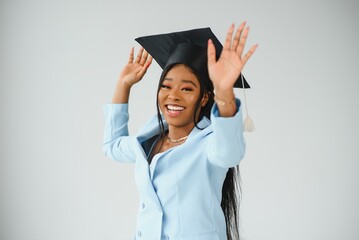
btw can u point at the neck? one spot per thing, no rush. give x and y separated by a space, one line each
179 134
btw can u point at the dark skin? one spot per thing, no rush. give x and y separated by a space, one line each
180 90
222 72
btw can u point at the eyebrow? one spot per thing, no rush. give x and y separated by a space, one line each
182 80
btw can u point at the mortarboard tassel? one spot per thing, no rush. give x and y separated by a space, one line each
248 122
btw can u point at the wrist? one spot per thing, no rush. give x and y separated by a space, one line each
123 84
225 102
224 97
223 86
122 92
226 108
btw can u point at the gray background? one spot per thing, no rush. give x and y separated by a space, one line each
59 64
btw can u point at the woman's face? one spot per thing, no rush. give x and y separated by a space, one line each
178 96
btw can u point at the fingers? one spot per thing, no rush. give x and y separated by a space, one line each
139 55
242 42
233 45
144 58
148 62
237 37
249 54
211 52
141 58
146 66
130 59
239 41
227 43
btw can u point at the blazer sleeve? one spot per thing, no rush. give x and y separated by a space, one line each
116 143
226 145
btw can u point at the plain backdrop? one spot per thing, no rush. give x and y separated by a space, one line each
59 64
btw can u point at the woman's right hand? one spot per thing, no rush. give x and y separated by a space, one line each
135 68
131 74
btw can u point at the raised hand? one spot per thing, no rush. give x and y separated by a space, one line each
224 72
135 69
130 75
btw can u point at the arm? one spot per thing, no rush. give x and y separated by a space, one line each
116 143
226 145
224 72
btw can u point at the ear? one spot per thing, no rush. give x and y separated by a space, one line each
204 99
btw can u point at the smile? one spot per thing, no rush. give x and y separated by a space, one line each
173 111
174 108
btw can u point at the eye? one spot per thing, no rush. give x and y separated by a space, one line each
187 89
165 86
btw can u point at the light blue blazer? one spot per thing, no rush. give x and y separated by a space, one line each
181 190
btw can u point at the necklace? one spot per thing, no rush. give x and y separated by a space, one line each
176 140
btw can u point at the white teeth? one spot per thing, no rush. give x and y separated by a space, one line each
174 108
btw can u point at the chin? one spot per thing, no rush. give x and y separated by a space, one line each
178 123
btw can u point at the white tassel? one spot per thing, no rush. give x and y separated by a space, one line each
248 125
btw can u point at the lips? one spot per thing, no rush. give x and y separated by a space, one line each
174 110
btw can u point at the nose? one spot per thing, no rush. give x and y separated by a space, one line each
173 95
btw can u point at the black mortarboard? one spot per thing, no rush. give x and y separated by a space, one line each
186 47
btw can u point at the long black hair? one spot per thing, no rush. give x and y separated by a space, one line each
231 190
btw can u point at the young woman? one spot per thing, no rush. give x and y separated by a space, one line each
185 157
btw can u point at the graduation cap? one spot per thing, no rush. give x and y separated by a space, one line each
189 48
185 47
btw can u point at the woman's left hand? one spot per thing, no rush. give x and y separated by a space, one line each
225 72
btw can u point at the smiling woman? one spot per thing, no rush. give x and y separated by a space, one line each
177 98
187 157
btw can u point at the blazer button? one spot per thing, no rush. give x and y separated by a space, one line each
165 237
143 205
139 234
